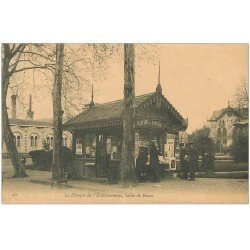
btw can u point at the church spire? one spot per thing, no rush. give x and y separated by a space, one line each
158 88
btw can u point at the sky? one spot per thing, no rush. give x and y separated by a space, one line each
196 78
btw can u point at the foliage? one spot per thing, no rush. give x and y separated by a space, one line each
240 144
46 146
205 146
41 159
202 140
241 98
66 155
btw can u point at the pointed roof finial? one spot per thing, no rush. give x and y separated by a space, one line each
158 88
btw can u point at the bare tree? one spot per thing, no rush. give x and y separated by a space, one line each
128 146
40 58
14 61
84 64
241 97
8 55
57 111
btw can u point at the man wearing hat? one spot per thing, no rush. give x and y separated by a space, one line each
193 160
154 162
183 161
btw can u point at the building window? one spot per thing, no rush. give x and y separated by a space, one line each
50 140
17 139
90 142
64 140
78 141
33 140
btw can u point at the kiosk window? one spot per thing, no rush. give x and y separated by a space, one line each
90 145
78 146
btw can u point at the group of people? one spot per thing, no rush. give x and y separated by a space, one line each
189 158
149 171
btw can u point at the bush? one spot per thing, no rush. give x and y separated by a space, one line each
240 144
41 159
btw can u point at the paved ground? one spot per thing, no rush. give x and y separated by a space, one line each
167 191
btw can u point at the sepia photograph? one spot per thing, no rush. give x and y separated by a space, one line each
124 125
132 123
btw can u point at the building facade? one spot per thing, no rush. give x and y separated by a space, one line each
222 124
31 134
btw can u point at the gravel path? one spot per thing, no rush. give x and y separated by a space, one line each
174 191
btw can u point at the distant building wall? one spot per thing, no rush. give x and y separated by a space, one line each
31 138
221 129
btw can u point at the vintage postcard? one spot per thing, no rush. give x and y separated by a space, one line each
125 123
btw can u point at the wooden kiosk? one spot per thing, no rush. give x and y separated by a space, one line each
97 132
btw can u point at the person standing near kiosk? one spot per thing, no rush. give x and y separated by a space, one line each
154 162
183 161
193 160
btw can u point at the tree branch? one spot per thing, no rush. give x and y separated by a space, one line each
37 54
33 67
19 48
17 61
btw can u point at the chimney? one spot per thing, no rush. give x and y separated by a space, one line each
13 106
92 98
30 113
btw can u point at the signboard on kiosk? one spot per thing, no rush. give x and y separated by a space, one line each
170 146
169 151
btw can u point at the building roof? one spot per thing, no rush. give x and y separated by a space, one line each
44 122
112 111
242 113
218 113
106 111
30 123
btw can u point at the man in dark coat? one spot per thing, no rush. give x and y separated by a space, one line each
193 161
141 161
183 161
154 162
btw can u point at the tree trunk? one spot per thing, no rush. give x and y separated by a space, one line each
128 145
57 112
19 169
